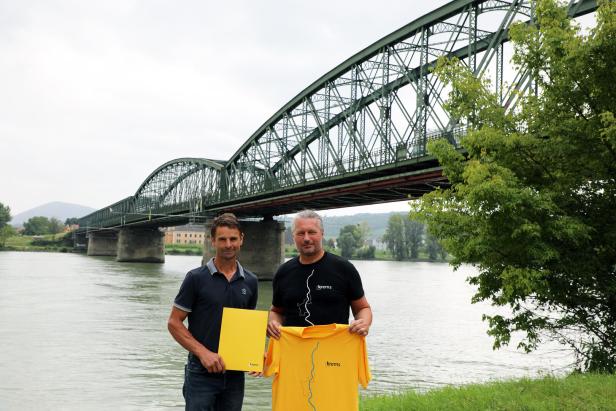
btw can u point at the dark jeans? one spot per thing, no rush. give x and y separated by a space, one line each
212 392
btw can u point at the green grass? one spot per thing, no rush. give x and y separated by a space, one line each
48 242
184 249
575 392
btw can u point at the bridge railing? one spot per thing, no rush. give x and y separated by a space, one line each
263 183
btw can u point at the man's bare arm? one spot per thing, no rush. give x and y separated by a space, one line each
210 360
363 316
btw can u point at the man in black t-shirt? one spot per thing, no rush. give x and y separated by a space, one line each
316 287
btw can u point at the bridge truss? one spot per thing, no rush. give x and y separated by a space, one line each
355 136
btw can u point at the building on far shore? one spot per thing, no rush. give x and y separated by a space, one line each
185 234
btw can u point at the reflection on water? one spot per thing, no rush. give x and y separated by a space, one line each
90 333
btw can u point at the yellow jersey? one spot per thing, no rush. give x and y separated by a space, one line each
317 368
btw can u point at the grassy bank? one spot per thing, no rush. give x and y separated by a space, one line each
380 255
575 392
50 242
184 249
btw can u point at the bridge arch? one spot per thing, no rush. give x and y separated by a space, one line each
191 182
380 106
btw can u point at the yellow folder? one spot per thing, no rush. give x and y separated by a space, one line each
242 339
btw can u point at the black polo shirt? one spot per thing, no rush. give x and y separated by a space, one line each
203 294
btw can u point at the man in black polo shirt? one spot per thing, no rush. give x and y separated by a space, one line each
222 282
316 287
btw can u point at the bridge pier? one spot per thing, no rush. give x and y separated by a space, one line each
102 243
141 245
263 248
80 241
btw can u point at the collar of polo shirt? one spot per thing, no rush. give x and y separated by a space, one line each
212 267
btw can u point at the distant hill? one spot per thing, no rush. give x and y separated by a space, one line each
56 209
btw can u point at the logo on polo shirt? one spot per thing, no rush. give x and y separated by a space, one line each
324 287
244 291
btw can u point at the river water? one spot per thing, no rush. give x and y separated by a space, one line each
80 333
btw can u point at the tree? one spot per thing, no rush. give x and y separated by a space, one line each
55 226
403 237
37 226
532 202
413 236
329 244
433 248
350 239
394 237
6 232
366 253
71 221
5 215
364 232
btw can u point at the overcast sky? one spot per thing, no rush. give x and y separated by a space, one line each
96 94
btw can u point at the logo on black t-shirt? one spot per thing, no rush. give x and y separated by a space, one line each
324 287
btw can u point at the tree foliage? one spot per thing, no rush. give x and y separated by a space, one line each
40 225
394 237
350 239
366 252
413 236
36 226
6 230
55 226
403 237
71 221
5 215
434 249
532 203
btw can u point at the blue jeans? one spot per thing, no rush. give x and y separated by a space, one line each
204 391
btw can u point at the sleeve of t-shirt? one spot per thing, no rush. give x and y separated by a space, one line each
364 374
255 297
186 296
276 300
272 359
355 289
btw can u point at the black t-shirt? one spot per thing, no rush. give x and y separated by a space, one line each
318 293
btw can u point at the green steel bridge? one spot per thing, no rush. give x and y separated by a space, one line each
355 136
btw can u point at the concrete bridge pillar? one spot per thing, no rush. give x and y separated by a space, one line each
102 243
141 245
263 248
80 241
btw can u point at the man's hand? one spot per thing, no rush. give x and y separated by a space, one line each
363 317
274 322
359 327
259 373
212 362
273 329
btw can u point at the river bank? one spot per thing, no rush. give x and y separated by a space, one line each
63 244
574 392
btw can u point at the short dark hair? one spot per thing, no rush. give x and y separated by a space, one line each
225 220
